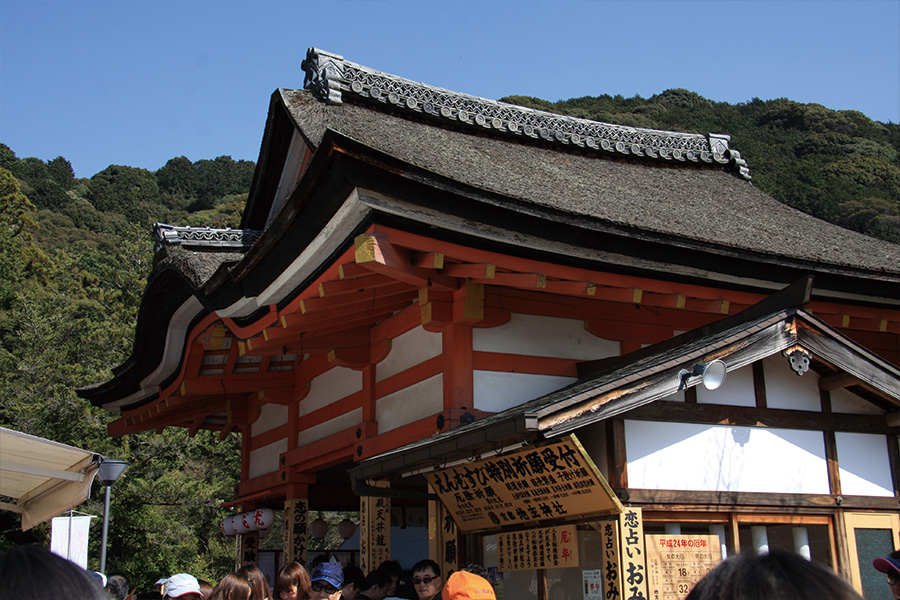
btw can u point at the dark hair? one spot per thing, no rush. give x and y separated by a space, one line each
232 587
205 588
427 563
391 567
352 575
117 587
293 574
376 578
37 574
773 576
258 584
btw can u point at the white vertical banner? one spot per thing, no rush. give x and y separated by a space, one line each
75 546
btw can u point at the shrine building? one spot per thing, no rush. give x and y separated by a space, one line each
554 347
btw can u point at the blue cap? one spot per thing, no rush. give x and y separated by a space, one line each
329 572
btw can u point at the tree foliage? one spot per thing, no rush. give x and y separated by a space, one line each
72 270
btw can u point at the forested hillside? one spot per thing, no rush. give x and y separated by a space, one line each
75 254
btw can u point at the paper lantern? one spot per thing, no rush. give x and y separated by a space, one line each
318 528
346 528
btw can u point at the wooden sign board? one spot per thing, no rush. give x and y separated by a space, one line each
552 481
374 531
547 548
675 563
631 538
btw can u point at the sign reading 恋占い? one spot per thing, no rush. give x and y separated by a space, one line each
551 482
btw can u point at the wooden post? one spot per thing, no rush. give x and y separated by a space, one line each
443 538
296 530
374 531
249 549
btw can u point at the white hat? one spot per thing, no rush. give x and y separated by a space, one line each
179 585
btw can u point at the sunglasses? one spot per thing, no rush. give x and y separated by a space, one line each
328 589
426 580
893 578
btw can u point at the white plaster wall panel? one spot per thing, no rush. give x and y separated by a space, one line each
330 386
496 391
410 404
408 350
683 456
736 391
543 336
786 389
846 402
265 460
270 417
330 427
864 466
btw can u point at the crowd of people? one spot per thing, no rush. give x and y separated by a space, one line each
37 574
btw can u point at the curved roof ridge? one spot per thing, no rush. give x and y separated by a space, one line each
329 76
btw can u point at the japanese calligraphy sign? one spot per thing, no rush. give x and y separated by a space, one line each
296 530
611 565
675 563
374 531
547 548
553 481
249 549
443 537
631 539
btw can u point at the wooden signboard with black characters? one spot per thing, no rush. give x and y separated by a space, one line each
554 481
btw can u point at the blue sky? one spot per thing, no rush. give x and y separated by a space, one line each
139 82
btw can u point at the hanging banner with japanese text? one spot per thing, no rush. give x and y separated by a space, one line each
675 563
612 567
547 548
553 481
631 538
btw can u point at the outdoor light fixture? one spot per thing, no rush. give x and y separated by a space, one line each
108 472
712 374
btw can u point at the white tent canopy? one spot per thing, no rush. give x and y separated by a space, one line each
43 477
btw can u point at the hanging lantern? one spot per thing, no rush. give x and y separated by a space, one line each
346 528
318 528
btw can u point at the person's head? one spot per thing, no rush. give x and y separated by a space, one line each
292 583
426 579
117 587
772 576
376 584
183 586
353 582
327 580
232 587
890 566
393 570
463 585
257 580
205 588
37 574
